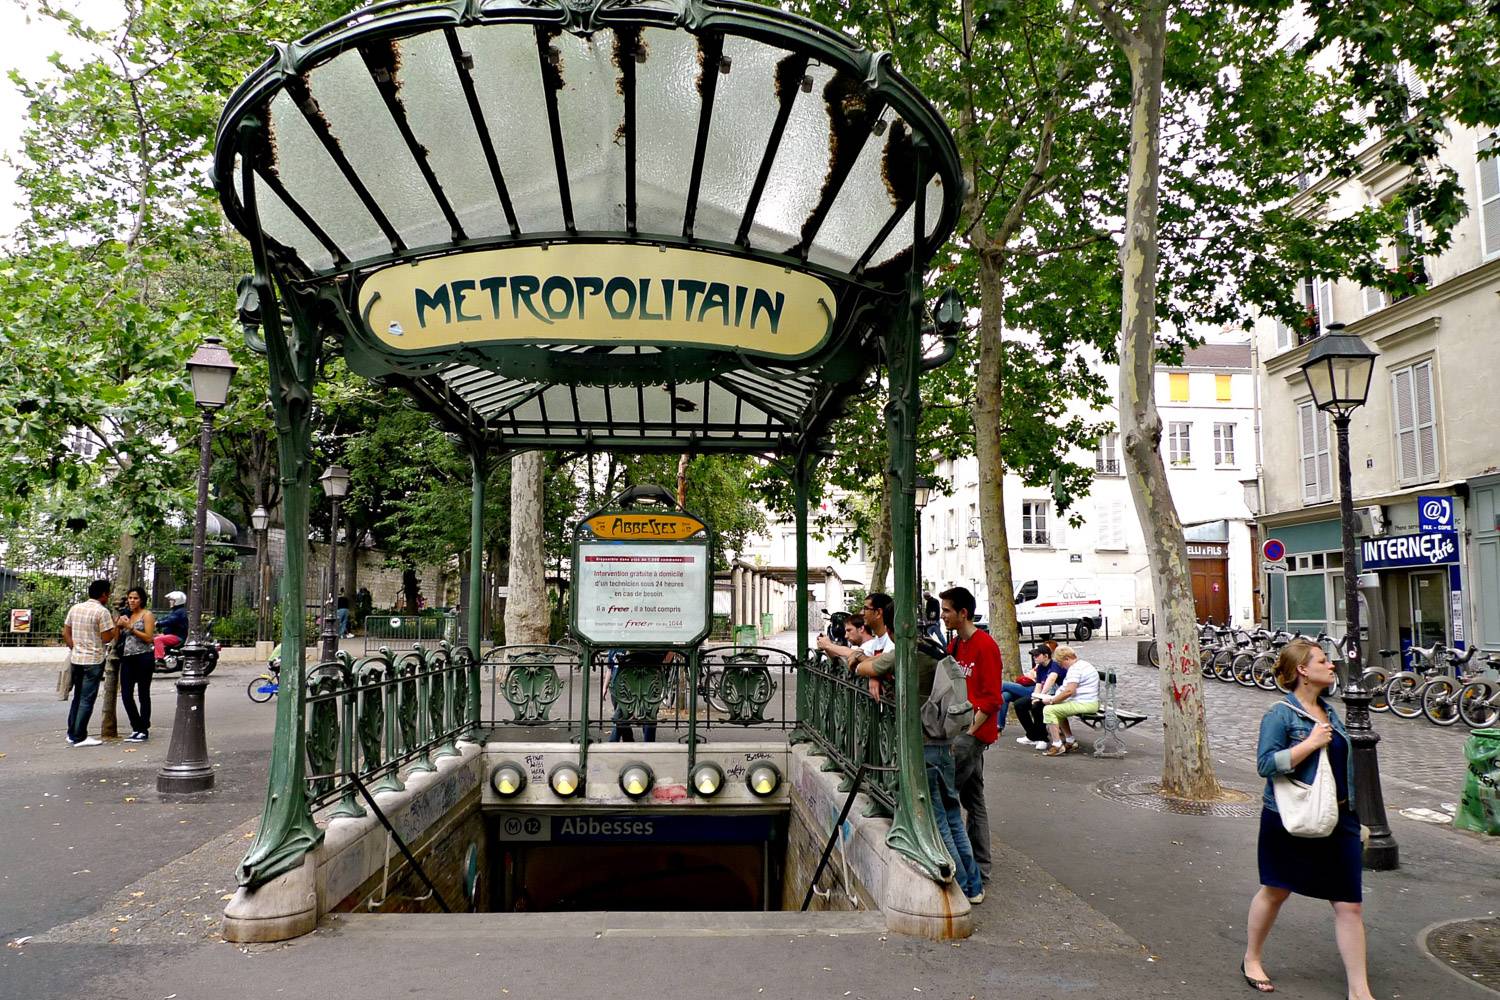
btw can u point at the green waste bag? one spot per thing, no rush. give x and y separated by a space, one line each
767 625
744 635
1480 809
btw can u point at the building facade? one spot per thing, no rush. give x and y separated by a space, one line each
1421 448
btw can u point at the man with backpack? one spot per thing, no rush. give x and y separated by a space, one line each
979 659
946 714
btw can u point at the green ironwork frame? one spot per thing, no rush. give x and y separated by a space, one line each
321 305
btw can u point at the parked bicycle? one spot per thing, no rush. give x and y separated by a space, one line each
1479 700
1437 663
1440 695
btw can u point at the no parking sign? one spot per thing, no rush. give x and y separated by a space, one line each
1272 550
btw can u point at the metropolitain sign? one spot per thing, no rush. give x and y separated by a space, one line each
598 294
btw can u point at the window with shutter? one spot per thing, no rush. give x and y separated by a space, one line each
1222 387
1324 300
1284 336
1406 426
1414 412
1489 197
1317 467
1374 299
1177 384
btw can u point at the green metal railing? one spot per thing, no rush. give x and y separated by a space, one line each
384 715
843 722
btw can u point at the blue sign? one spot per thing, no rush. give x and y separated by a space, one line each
1435 514
1438 548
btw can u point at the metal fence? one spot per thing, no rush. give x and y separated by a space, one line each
30 638
720 687
396 630
381 714
844 722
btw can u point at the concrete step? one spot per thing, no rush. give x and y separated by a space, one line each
487 927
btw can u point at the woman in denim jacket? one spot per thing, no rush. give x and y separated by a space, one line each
1292 734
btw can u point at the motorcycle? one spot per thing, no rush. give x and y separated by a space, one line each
174 661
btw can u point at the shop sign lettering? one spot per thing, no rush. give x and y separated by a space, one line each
1401 551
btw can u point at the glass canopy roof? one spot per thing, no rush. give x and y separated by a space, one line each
631 224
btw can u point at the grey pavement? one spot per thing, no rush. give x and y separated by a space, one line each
1091 895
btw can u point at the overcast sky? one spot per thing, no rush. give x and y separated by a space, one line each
26 43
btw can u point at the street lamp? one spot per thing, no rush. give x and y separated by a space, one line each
335 483
921 488
187 768
1338 371
973 537
260 520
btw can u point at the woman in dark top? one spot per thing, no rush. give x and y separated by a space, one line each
138 626
1292 734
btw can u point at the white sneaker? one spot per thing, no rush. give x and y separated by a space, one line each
1040 745
89 741
1023 740
977 898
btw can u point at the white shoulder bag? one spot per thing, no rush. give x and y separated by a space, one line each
1308 810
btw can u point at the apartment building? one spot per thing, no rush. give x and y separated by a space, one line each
1425 459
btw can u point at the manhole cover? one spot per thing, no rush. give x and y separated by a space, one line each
1146 794
1470 948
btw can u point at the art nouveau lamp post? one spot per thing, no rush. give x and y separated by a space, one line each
187 768
335 482
1338 371
260 520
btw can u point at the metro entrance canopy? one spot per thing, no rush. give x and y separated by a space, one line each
662 225
657 225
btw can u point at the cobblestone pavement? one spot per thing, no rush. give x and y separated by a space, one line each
1420 764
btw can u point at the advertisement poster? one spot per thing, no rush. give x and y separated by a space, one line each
633 593
20 619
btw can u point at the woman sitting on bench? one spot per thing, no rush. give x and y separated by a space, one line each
1079 695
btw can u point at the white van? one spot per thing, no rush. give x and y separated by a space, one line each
1073 604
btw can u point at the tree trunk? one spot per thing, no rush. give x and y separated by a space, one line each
526 606
682 467
1187 768
988 421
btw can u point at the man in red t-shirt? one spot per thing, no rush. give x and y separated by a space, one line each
979 657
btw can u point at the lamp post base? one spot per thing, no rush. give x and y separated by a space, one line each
187 768
1381 852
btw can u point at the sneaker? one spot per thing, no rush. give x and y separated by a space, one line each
1023 740
1070 746
977 898
1056 750
71 741
1040 744
89 741
136 738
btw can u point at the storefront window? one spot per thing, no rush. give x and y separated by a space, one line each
1305 599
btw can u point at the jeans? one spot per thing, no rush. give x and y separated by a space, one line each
1012 693
343 615
135 683
86 678
944 795
968 761
1029 712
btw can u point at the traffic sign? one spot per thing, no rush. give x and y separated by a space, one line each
1273 567
1273 550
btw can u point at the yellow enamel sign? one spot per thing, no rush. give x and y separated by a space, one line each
644 527
598 294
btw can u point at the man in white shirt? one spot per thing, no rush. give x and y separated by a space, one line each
1079 695
879 612
88 629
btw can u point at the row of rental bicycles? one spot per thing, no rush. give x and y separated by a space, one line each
1445 685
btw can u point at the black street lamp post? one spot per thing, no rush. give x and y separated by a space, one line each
187 768
260 520
335 482
1338 371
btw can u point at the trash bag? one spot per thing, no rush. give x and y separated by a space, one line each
1479 809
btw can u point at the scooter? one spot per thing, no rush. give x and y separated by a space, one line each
173 662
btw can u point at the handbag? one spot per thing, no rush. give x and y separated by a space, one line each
1308 810
65 677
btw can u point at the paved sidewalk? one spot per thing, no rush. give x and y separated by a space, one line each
1092 896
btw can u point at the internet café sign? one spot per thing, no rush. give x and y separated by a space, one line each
594 293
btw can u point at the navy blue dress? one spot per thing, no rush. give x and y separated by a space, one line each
1330 867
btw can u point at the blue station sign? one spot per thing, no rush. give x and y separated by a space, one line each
606 828
1438 548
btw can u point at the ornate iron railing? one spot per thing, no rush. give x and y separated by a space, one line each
383 715
551 686
845 723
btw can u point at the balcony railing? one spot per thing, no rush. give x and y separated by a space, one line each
1107 466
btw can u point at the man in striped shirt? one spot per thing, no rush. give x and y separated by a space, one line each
87 631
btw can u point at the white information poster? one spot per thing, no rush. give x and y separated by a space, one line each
635 593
